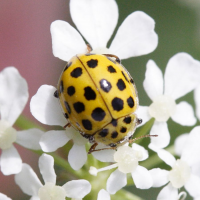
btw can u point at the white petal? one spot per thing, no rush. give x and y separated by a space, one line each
167 157
45 107
116 181
77 156
153 82
11 162
184 114
142 150
191 150
34 198
52 140
103 195
193 185
105 155
30 138
168 192
66 40
135 36
96 20
163 138
28 181
197 101
4 197
142 178
143 113
159 177
77 188
180 143
13 94
46 165
187 69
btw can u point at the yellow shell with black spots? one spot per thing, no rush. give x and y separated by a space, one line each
99 98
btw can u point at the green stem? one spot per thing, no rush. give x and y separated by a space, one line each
24 123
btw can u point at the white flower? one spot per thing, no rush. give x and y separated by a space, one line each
183 170
96 21
28 181
181 76
46 109
197 100
13 98
126 159
4 197
103 195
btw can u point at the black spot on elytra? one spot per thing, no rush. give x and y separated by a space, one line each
130 102
114 122
70 90
79 107
92 63
68 65
61 87
105 85
89 93
103 133
127 120
123 129
114 134
76 72
111 69
117 104
121 85
66 115
87 124
67 107
98 114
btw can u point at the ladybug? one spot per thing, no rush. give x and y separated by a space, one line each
99 99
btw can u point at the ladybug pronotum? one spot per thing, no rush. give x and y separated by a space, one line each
99 99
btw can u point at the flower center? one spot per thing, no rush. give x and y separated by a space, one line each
127 159
179 174
162 108
8 135
51 192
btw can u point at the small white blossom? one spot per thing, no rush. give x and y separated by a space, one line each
13 98
181 76
127 161
28 181
103 195
96 21
197 101
46 109
4 197
183 172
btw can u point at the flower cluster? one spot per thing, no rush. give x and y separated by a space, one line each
96 21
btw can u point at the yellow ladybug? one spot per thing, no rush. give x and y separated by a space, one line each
99 99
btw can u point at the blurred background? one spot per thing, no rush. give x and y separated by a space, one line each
25 42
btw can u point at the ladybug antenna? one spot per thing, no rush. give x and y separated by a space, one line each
143 136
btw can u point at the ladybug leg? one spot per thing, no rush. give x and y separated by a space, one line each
92 148
55 94
67 125
143 136
89 48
